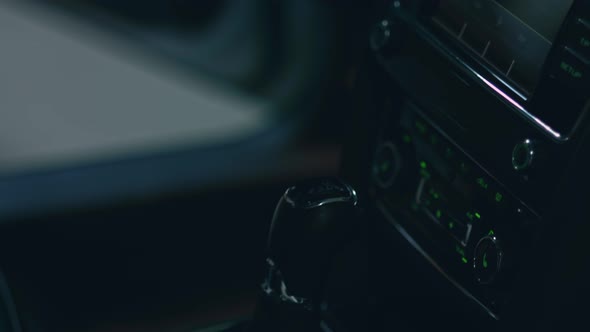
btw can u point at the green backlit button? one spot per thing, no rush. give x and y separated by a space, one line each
571 70
496 200
482 183
473 216
434 194
498 197
461 251
438 214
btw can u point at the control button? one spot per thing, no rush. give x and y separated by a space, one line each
461 251
484 190
498 197
386 164
579 37
496 200
571 70
424 170
458 230
523 155
454 227
482 182
487 259
407 138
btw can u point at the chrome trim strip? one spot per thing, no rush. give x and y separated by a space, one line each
352 197
515 104
425 33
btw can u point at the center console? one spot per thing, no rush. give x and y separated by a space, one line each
480 107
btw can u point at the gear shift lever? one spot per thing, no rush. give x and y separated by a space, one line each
311 222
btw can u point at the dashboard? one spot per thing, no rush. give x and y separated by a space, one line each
479 120
144 145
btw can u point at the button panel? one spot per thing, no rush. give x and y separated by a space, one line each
454 204
562 95
578 37
571 69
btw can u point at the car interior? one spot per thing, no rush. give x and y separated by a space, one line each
294 165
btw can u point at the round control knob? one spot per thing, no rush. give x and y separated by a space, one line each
523 155
487 260
386 164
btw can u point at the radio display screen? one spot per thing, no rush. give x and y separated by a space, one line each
512 36
543 16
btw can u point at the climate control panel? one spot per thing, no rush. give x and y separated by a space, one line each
457 214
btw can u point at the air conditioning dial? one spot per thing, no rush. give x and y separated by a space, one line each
487 260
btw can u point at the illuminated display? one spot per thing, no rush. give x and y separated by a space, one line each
514 36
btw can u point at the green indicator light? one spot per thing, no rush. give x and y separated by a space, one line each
460 250
434 194
485 260
499 197
407 138
425 174
491 232
477 215
421 127
571 70
423 165
464 260
438 213
482 183
469 215
451 225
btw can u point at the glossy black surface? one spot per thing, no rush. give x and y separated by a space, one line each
465 226
457 238
311 222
